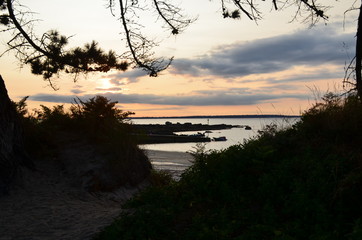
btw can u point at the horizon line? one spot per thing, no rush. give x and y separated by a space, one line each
224 116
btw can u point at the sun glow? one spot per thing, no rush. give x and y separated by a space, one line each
105 84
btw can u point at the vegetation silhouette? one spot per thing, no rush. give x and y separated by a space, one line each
96 126
302 182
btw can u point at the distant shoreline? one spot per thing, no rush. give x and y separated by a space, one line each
223 116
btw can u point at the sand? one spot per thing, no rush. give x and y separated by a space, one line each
47 206
174 162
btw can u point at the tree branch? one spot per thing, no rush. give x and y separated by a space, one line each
140 46
9 6
48 57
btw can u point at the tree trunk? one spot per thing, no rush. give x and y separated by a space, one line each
358 67
12 151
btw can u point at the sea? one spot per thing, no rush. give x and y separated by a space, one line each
233 136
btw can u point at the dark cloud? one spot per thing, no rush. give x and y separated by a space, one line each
312 47
231 97
42 97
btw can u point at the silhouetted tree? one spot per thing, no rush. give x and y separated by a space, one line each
354 70
98 115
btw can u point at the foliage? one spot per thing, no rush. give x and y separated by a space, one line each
96 122
81 59
98 108
161 178
99 115
298 183
53 117
21 106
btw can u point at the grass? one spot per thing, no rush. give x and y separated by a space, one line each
304 182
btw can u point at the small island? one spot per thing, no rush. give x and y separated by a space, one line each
166 133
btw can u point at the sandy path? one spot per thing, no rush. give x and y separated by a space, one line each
48 207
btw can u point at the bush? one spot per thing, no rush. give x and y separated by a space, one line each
96 127
298 183
98 115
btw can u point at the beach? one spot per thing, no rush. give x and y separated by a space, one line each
172 161
47 205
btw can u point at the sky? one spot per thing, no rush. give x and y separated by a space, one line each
221 66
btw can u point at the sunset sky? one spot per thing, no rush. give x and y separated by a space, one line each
221 66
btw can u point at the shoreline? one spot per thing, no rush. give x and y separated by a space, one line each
171 161
165 156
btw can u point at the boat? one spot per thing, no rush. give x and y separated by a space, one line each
219 139
198 134
247 127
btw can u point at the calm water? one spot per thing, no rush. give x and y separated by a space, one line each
234 135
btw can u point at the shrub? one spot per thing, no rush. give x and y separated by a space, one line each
95 126
298 183
98 115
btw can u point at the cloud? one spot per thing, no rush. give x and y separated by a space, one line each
316 75
41 97
112 89
77 91
159 109
312 47
305 76
313 50
123 78
309 47
229 97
